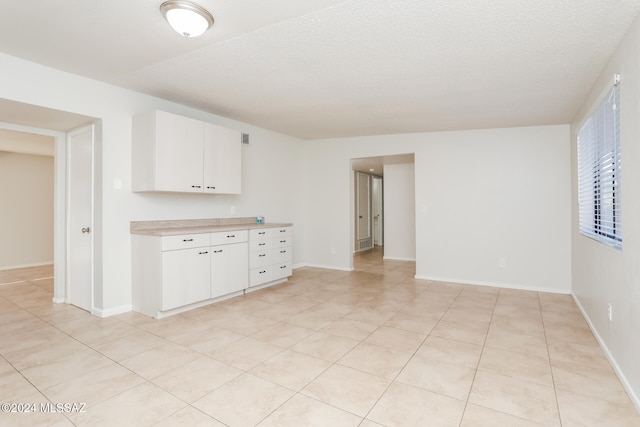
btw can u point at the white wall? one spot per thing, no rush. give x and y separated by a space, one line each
480 196
602 275
399 212
495 194
26 216
486 194
270 168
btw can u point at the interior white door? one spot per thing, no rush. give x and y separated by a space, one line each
80 217
363 210
377 211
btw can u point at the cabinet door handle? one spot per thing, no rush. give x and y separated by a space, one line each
261 244
283 231
196 186
217 252
231 235
262 272
283 241
283 252
262 232
213 188
261 255
283 266
203 253
187 240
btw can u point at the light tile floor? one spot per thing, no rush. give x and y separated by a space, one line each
373 347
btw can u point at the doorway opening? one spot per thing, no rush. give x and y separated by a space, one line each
54 125
384 210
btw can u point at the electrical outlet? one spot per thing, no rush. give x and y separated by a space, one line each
610 312
502 263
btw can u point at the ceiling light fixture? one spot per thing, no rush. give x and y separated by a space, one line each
186 18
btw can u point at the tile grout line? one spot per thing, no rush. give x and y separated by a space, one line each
475 373
553 377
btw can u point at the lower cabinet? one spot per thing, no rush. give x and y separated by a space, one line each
229 271
269 255
185 277
171 274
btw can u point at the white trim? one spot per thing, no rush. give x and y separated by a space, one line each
625 383
391 258
493 284
325 267
57 300
265 285
38 264
111 311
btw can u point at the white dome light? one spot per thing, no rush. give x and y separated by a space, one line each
186 18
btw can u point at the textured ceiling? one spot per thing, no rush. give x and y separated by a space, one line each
323 68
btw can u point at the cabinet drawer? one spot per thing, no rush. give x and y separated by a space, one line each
279 255
281 242
282 270
260 245
261 275
184 241
224 237
260 233
280 232
260 259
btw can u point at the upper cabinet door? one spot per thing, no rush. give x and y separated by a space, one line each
178 153
222 160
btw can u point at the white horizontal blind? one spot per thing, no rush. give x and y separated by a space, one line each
599 172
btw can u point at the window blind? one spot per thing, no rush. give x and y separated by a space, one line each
600 172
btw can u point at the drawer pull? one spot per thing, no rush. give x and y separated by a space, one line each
261 255
187 240
262 272
218 251
283 241
283 231
231 235
284 266
203 253
283 252
212 188
196 186
261 244
262 232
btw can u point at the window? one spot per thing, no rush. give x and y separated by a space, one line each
599 171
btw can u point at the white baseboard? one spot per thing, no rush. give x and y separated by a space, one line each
493 284
325 267
57 300
38 264
623 379
393 258
111 311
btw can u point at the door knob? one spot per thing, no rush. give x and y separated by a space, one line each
86 230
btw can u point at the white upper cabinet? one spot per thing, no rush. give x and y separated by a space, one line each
222 160
178 154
